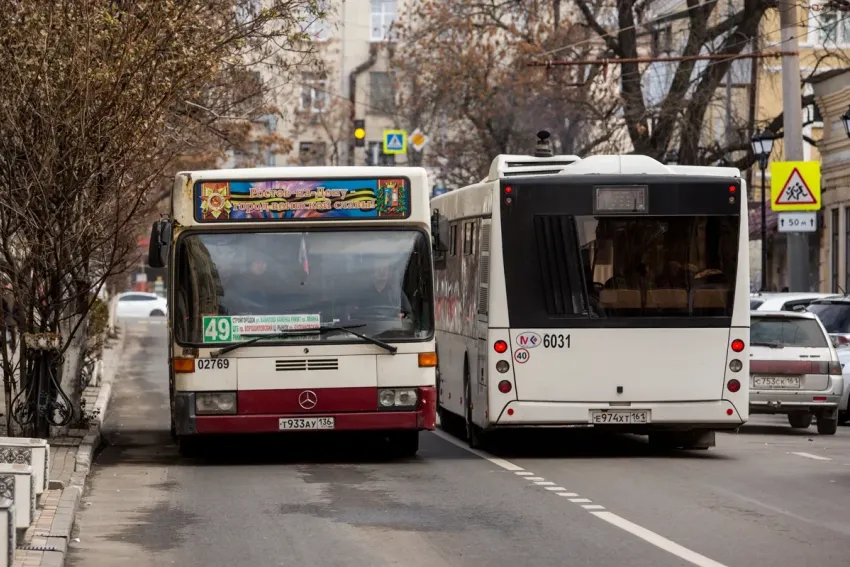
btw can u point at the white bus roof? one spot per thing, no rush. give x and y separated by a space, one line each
641 165
298 172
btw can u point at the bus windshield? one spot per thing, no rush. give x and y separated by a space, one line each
377 280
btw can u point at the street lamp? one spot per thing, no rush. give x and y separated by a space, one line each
846 119
762 143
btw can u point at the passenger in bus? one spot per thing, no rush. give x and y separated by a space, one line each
383 292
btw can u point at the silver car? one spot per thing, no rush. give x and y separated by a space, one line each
794 369
785 301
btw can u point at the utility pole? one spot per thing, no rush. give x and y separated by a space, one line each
792 144
730 10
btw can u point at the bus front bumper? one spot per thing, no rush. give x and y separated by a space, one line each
187 422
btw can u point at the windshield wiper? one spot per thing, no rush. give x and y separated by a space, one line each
320 330
392 349
774 344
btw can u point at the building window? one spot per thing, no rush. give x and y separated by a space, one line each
314 92
383 16
312 153
833 227
830 26
318 28
381 94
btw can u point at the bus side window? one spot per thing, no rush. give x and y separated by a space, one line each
453 238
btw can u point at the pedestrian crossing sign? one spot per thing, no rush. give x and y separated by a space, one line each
795 186
395 141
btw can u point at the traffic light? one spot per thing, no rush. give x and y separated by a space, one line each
360 133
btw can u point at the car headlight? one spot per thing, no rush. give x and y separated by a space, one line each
397 398
207 403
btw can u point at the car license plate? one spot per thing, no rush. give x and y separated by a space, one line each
776 382
619 417
306 423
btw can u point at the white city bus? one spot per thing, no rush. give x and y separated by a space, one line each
594 292
300 299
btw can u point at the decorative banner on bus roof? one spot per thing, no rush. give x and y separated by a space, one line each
303 199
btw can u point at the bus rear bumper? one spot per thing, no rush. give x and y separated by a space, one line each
720 414
187 422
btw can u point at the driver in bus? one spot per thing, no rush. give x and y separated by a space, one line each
384 292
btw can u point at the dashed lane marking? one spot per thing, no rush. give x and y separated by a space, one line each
544 483
810 456
657 540
599 510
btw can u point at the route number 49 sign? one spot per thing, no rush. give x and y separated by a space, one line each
217 330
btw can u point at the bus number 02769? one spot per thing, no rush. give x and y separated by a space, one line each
556 341
213 363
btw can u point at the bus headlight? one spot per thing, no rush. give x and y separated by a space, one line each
211 403
392 398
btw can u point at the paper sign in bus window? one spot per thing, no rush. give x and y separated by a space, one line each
234 328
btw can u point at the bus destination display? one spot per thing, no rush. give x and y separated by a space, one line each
302 199
620 199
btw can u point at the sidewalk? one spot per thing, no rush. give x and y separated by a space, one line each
46 541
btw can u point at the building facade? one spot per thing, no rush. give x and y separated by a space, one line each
832 93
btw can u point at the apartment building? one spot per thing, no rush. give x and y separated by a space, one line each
832 94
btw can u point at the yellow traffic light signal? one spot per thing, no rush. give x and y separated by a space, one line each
360 133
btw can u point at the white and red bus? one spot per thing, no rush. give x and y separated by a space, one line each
300 299
610 291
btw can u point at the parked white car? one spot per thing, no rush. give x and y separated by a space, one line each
794 369
141 304
844 405
785 301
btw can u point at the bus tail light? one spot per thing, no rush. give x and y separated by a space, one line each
183 365
505 386
427 359
733 385
737 345
502 366
735 365
501 347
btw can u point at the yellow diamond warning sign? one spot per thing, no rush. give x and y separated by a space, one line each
795 186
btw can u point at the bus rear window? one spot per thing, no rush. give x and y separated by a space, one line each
782 332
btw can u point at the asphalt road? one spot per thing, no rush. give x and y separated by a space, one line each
765 496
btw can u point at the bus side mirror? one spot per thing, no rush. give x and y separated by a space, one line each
160 243
440 232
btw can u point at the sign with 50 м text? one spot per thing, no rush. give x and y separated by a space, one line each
229 329
302 199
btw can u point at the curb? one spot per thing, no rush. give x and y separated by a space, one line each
56 538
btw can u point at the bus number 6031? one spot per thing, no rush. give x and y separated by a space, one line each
556 341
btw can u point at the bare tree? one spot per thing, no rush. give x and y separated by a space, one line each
464 66
98 100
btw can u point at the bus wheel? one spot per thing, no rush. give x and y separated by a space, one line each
404 443
188 446
475 436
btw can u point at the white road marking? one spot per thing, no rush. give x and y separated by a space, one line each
810 456
600 512
544 483
487 457
524 473
556 488
657 540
